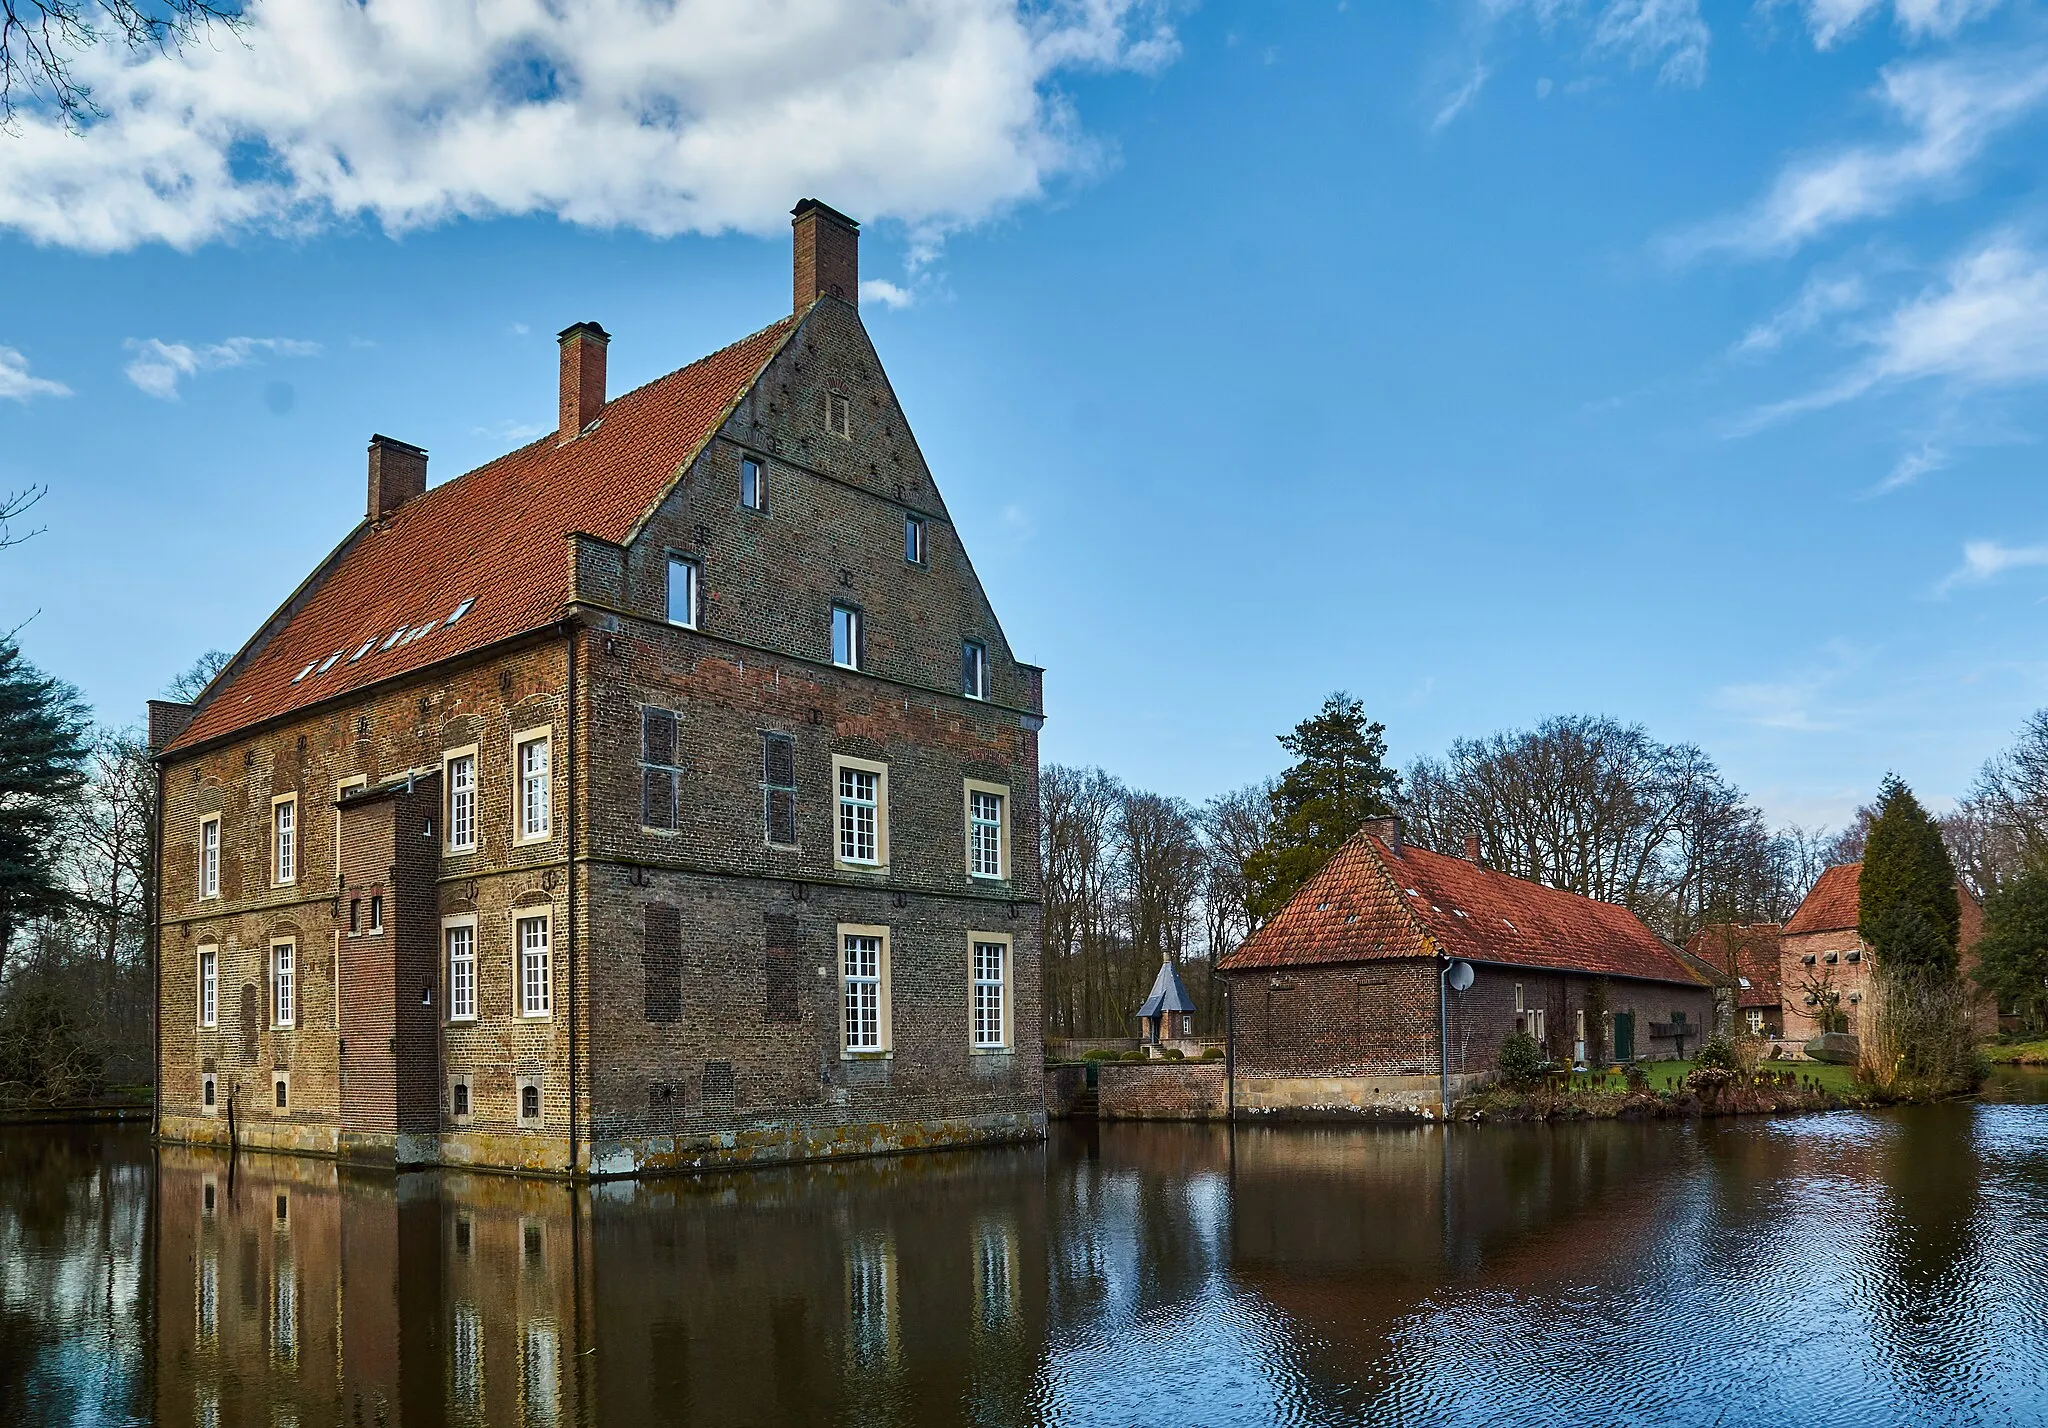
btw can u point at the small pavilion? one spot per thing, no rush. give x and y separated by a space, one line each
1169 1013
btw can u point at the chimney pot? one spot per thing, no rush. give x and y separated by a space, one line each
1471 847
398 472
1387 830
583 350
827 249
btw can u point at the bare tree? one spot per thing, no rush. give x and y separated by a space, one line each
190 682
40 38
16 504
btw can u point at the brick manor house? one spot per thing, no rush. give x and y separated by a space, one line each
661 794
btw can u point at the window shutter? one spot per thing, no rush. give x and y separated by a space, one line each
661 956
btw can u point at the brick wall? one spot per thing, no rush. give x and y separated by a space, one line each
1851 980
1162 1091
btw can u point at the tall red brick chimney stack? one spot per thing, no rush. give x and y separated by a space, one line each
827 253
583 349
398 472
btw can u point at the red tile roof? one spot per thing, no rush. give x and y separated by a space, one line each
1370 903
1831 904
1747 952
498 535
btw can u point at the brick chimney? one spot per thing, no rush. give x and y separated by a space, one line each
398 472
1387 830
1472 848
827 253
583 348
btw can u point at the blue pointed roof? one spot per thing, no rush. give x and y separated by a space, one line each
1169 993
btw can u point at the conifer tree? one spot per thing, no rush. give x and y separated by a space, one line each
1338 780
43 726
2012 956
1907 878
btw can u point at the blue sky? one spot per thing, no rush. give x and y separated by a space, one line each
1490 361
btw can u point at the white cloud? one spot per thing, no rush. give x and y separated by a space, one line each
1667 33
1952 108
1984 326
1465 93
1820 299
1911 467
695 115
876 290
1832 21
16 385
159 366
1987 559
1792 702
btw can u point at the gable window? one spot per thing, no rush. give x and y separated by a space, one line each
753 484
536 809
974 669
984 832
913 539
660 777
284 840
682 592
536 986
209 985
991 972
209 856
846 637
863 793
837 412
283 989
778 789
461 971
864 978
462 802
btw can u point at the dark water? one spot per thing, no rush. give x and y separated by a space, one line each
1849 1268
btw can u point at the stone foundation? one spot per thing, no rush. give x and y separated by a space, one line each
1349 1097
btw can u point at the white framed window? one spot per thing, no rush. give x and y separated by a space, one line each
1518 997
376 923
458 1098
209 856
284 1003
459 775
460 938
846 637
1755 1017
989 970
532 936
532 757
284 839
862 792
974 669
209 985
914 546
864 983
987 841
682 591
753 484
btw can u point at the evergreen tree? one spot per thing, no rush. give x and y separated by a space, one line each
1339 779
1906 866
43 728
2012 956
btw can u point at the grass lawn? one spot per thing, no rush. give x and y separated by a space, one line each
2019 1053
1841 1080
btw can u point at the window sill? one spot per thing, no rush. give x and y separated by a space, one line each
877 869
849 1054
533 842
991 1051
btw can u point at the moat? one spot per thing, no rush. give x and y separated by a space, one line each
1849 1267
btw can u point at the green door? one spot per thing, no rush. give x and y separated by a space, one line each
1624 1036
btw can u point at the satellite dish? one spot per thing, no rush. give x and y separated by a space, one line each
1460 976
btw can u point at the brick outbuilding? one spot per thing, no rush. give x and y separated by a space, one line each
1747 955
1822 955
1335 1003
661 794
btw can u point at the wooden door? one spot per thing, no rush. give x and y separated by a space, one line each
1624 1036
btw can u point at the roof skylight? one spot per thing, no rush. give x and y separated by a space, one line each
396 635
328 663
462 609
368 645
303 673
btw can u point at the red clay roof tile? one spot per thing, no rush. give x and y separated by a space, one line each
1371 903
497 536
1747 952
1831 905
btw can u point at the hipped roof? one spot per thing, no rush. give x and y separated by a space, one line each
1169 993
1373 902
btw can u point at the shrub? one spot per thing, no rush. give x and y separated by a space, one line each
1637 1076
1521 1060
1100 1053
1212 1053
1173 1053
44 1057
1716 1055
1132 1056
1917 1039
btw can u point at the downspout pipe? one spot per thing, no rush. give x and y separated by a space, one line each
1443 1034
569 631
156 958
